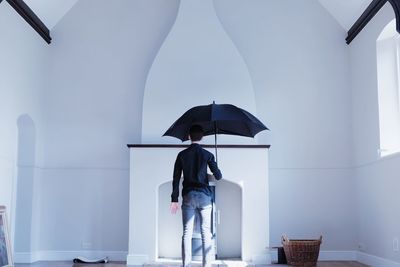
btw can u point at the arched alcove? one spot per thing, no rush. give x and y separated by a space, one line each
228 222
197 64
25 184
388 68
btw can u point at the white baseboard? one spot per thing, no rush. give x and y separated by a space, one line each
21 257
26 257
136 259
375 261
261 259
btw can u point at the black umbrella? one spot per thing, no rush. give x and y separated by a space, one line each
216 119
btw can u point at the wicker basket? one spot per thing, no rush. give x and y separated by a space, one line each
302 253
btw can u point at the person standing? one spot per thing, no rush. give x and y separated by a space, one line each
196 194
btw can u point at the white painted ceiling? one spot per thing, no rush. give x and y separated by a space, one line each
50 11
346 12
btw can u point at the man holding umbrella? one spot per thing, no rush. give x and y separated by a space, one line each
213 119
196 194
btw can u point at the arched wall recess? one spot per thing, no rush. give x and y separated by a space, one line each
197 64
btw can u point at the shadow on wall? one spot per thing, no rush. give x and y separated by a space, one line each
25 183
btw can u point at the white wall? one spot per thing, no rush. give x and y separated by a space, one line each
98 64
99 59
298 64
298 61
377 179
22 67
196 64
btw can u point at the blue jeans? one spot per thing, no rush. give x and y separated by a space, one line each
200 202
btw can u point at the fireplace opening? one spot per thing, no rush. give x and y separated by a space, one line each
228 202
227 222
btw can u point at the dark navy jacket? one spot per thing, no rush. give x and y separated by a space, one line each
193 161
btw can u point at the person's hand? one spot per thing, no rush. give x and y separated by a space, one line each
174 207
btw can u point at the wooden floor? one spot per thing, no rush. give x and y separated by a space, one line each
121 264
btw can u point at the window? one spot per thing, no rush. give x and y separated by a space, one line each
388 66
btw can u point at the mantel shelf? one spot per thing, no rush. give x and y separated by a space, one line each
186 145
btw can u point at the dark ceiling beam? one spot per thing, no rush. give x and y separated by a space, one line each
30 17
366 17
369 13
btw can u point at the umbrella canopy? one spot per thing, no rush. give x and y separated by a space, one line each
216 119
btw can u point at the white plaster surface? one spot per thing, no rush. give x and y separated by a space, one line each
197 64
247 167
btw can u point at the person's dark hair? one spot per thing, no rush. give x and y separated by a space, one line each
196 133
